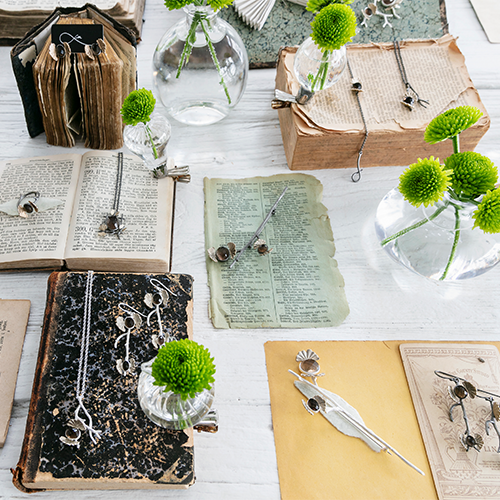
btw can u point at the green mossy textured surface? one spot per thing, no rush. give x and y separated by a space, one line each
289 24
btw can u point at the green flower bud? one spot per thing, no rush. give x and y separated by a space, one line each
138 106
451 123
316 5
487 215
424 182
333 26
473 174
183 367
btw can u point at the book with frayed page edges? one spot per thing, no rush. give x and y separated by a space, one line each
79 98
133 452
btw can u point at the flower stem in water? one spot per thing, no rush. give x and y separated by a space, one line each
413 226
455 243
155 152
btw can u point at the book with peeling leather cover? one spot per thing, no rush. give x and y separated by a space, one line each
132 452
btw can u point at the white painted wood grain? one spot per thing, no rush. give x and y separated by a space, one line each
386 301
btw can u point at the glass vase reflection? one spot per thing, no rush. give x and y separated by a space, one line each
437 241
200 68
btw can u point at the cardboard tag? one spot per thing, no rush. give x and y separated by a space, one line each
76 35
14 316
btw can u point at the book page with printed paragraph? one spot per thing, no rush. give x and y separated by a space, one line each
146 205
297 284
38 241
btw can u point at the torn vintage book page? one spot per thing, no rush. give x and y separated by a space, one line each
297 284
435 68
458 474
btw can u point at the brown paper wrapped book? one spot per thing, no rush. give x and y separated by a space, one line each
328 131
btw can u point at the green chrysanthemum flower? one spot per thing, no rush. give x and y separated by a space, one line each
487 215
451 123
333 26
184 367
219 4
138 106
473 174
424 182
176 4
316 5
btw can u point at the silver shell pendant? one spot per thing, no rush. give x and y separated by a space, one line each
128 322
125 367
156 299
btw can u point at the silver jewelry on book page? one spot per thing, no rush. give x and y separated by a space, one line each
411 95
79 424
222 253
29 204
26 204
114 222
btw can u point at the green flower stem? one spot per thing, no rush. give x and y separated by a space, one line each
215 60
322 72
155 152
456 144
413 226
188 46
455 243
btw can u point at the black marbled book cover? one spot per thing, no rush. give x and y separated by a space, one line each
132 452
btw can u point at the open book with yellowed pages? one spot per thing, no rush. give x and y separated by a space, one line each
69 234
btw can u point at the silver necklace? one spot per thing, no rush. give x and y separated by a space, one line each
78 424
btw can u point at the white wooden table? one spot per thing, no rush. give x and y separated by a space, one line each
387 302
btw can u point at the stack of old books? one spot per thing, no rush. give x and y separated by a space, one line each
71 94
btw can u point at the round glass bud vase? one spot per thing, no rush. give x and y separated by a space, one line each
149 140
437 241
201 80
167 409
316 69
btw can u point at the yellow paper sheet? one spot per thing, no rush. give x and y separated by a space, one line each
317 462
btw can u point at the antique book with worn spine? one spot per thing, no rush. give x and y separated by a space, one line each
77 96
132 452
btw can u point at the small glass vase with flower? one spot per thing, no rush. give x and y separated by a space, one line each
176 388
146 133
321 58
443 220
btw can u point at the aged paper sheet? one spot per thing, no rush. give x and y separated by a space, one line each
13 322
297 284
458 474
315 460
435 68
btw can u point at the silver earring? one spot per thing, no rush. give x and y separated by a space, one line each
126 324
155 301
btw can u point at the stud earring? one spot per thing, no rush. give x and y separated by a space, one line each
126 324
155 301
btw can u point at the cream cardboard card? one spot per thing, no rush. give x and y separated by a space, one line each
14 316
458 474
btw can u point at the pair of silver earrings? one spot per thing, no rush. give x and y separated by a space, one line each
133 320
462 390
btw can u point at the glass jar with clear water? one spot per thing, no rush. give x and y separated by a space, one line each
437 241
200 68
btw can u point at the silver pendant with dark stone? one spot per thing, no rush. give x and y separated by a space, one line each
112 224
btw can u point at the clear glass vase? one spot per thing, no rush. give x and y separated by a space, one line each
167 409
149 140
200 68
316 69
437 241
